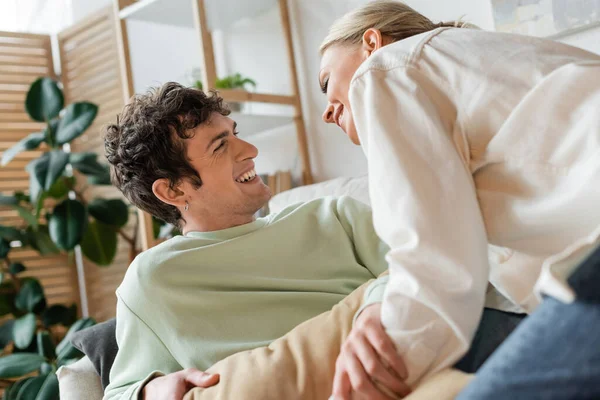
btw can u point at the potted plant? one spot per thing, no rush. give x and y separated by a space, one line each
56 216
235 81
33 342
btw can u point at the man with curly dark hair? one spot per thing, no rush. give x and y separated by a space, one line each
231 282
159 157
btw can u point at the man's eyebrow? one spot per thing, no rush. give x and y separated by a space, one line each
220 136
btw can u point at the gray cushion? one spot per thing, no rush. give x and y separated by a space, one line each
99 343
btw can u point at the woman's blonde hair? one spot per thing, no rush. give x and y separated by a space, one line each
391 18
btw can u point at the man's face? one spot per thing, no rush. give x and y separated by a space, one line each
231 192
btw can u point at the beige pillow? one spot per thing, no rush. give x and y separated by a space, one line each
301 364
79 381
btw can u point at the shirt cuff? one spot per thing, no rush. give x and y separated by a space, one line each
373 294
138 393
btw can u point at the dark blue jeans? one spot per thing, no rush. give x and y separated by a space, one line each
554 353
495 326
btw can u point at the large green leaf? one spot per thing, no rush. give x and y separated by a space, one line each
78 117
87 163
8 200
99 243
37 194
44 100
16 268
7 298
25 213
45 345
29 143
40 240
4 248
46 169
109 211
61 187
59 314
31 296
15 365
10 233
30 389
82 158
24 330
65 349
100 178
49 390
6 333
67 224
11 392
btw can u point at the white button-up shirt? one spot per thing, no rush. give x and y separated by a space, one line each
484 164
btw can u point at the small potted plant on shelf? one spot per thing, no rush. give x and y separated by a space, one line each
235 81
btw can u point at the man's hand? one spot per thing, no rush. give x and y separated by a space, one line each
174 386
367 356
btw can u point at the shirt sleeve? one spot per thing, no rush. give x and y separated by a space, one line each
425 208
357 220
142 356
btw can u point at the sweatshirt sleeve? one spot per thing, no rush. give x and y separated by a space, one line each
142 356
357 220
425 208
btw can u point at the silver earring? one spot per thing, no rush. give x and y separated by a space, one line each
187 206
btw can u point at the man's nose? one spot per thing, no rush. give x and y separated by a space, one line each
328 114
246 150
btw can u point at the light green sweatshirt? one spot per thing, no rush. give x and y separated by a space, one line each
196 299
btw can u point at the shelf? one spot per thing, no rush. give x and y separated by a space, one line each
169 12
250 125
220 13
240 96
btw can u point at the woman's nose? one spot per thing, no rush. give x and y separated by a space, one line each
328 114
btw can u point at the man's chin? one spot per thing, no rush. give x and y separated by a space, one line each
261 198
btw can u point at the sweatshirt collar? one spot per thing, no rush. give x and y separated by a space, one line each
231 233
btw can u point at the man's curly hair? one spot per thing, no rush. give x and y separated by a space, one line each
148 143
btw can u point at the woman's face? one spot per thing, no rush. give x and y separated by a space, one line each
338 65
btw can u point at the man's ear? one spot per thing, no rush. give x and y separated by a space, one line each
163 191
372 40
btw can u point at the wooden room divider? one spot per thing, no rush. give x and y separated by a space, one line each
23 58
89 59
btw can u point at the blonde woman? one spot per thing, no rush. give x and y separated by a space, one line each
484 164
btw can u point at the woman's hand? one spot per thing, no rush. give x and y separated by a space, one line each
368 356
174 386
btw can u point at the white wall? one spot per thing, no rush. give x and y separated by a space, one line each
588 40
35 16
161 53
255 48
